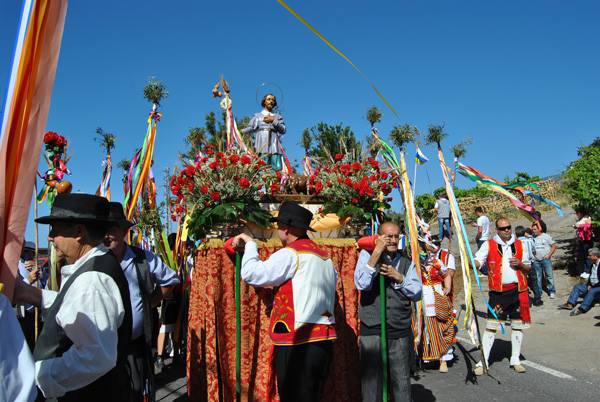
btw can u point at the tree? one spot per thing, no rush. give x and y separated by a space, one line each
424 204
436 135
330 140
124 165
306 140
403 135
460 150
582 179
105 139
373 115
195 140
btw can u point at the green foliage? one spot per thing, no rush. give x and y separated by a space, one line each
155 91
149 218
330 140
403 135
306 140
124 165
477 191
195 139
396 217
373 115
203 219
436 135
582 179
424 204
105 139
460 150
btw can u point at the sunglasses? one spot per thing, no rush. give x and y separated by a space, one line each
504 228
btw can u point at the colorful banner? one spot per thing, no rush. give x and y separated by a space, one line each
466 255
23 122
503 188
104 188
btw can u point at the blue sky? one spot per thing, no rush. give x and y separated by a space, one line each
519 78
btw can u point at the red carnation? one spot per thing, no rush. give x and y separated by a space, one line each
348 181
373 177
204 189
329 183
318 187
234 159
191 186
245 160
384 175
356 166
339 156
261 162
244 182
220 155
274 188
209 149
340 180
215 196
213 165
354 200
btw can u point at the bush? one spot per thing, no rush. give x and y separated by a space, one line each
582 179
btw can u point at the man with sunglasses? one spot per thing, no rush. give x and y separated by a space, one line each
508 263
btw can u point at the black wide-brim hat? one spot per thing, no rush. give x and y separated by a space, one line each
292 214
116 215
77 207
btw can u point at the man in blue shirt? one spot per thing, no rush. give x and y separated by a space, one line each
145 272
402 287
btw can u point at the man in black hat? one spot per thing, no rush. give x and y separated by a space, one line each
81 353
302 320
145 272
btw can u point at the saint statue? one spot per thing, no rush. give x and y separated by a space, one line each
268 127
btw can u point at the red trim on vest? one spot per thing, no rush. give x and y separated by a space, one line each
281 327
308 246
494 261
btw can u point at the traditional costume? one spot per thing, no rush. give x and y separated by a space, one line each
508 293
302 324
81 353
437 332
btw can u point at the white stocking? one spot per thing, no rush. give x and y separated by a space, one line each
487 341
516 339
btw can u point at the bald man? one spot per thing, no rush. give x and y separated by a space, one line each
402 287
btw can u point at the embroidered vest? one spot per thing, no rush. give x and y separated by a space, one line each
303 309
494 261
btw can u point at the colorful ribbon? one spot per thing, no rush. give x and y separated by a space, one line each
339 52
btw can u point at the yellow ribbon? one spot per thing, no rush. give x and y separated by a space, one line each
339 52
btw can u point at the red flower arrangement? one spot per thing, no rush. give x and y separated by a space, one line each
223 187
354 189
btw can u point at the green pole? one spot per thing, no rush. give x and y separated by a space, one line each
238 327
384 347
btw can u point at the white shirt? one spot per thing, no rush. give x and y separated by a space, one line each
484 223
90 315
509 275
16 363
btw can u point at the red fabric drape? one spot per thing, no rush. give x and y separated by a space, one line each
211 334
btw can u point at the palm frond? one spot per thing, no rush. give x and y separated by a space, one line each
403 135
306 140
436 135
374 115
155 91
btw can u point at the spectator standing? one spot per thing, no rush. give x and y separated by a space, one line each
544 249
483 227
584 234
526 236
442 206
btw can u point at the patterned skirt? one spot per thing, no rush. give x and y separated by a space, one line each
438 332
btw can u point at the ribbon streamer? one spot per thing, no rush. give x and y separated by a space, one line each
339 52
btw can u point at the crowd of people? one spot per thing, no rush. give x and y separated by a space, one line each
100 330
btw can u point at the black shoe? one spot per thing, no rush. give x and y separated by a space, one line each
576 312
537 302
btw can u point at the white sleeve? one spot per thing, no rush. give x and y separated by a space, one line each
480 221
526 259
90 315
436 206
482 254
451 262
277 269
16 363
48 297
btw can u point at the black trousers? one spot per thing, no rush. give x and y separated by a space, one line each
302 370
141 371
